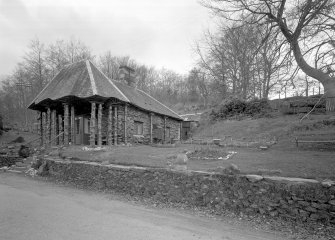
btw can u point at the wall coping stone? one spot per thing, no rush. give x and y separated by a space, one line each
254 178
289 179
327 183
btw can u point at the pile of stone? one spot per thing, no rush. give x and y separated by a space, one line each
9 155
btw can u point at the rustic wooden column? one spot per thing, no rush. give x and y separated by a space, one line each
125 123
53 127
66 124
72 117
60 130
44 123
41 128
180 129
92 124
150 128
164 129
110 125
48 127
115 125
99 124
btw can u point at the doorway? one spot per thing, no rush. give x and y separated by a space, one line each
82 130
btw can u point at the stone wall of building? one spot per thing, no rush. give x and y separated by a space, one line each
171 124
249 194
135 114
174 126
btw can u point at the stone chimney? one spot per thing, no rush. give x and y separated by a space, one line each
127 74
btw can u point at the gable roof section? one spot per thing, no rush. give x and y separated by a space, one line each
84 80
143 100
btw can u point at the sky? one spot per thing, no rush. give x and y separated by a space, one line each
157 33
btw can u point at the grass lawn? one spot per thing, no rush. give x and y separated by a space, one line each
291 163
134 155
283 158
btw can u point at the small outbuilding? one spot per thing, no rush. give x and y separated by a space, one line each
82 106
191 121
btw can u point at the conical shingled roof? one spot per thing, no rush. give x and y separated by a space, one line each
84 80
81 79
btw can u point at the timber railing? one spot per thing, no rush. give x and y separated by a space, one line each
47 142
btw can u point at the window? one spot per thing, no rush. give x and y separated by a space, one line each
138 128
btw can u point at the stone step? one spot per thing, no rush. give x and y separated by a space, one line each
21 167
22 164
15 171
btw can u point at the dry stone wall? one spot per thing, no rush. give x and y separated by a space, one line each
301 200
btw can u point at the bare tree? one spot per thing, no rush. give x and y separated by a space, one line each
212 59
273 63
110 64
34 67
239 63
197 86
307 26
76 51
56 56
63 52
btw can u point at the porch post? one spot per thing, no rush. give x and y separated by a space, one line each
164 129
41 128
48 127
44 123
66 124
72 125
115 125
99 124
53 127
110 125
92 124
60 130
125 123
180 129
151 128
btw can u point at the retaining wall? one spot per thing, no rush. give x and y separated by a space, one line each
289 198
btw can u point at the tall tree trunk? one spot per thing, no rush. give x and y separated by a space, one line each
327 81
329 88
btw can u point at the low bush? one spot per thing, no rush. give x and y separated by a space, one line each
237 108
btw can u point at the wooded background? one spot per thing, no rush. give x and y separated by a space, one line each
251 54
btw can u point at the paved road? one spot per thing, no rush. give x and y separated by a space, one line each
37 210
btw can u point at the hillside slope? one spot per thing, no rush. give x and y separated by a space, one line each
282 128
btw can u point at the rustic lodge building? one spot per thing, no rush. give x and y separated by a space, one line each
82 106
